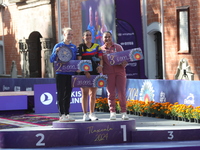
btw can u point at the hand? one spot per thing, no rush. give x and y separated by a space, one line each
57 49
87 74
100 69
78 71
124 63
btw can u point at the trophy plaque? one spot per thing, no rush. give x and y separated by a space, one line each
65 54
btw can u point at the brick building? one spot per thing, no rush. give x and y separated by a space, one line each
177 24
170 31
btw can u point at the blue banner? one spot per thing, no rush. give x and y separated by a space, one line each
129 33
22 84
45 99
17 102
182 91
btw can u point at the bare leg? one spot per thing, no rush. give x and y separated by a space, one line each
92 93
84 104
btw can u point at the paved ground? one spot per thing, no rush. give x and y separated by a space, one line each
142 123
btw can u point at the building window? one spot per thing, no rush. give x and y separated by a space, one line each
183 29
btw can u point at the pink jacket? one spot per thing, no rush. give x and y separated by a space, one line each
107 68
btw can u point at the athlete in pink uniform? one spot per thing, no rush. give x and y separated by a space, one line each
116 77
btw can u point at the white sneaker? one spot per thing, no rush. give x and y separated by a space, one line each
113 116
69 117
86 117
66 118
93 117
125 116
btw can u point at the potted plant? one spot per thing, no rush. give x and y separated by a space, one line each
189 110
101 104
196 114
129 106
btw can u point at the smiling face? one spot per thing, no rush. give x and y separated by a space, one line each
87 36
107 38
68 35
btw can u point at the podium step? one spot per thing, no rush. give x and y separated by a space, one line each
161 135
38 137
63 134
101 131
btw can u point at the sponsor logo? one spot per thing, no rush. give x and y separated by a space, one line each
189 100
17 88
6 88
46 98
76 97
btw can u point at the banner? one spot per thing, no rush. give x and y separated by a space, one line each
182 91
128 56
129 33
94 81
45 99
98 16
23 84
73 66
17 102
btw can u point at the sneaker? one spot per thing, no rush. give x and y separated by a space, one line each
93 117
70 117
113 116
86 117
125 116
66 118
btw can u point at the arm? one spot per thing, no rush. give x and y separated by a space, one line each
119 49
54 54
100 55
79 57
100 67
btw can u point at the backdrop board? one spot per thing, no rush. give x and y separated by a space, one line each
129 33
181 91
23 84
98 16
45 99
17 102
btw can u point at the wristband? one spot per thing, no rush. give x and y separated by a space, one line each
100 66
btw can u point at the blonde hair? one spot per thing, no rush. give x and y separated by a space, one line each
65 29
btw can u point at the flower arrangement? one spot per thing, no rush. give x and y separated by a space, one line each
129 105
101 103
181 110
154 108
168 108
189 110
144 107
138 106
163 109
173 109
118 108
196 112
